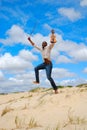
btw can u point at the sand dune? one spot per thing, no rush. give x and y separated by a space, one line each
44 110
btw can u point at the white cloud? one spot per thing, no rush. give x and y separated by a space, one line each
63 59
15 35
27 55
83 3
70 13
73 82
24 82
39 38
62 73
71 51
19 82
1 76
80 53
18 63
26 76
85 70
46 26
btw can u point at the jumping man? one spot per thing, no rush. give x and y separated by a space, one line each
47 64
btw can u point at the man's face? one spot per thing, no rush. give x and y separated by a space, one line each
44 44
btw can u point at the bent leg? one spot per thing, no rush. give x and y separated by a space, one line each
39 67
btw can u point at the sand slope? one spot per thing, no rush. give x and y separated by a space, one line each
44 110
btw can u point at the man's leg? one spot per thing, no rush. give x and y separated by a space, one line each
39 67
48 73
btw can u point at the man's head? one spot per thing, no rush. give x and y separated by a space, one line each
44 44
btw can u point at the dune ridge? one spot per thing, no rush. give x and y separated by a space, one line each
41 109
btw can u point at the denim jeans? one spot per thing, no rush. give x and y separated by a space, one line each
48 68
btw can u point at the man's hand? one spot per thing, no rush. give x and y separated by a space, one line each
32 43
29 38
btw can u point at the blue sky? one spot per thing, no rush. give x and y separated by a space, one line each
19 19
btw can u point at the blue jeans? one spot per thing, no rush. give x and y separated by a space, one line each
48 68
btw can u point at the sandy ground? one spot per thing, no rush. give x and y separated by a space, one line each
44 110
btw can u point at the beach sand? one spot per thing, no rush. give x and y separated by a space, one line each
44 110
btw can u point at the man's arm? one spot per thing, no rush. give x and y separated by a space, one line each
52 41
51 45
32 43
53 38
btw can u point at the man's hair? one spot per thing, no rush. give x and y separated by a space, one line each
43 43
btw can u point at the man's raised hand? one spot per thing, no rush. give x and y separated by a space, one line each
29 38
32 43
